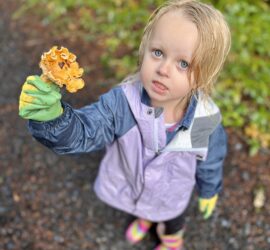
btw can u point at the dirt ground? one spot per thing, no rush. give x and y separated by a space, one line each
47 201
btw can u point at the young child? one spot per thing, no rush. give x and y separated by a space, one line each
161 130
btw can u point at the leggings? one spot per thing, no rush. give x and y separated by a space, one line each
172 226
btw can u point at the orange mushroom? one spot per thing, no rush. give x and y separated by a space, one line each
60 66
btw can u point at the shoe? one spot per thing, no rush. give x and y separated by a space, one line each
137 230
170 242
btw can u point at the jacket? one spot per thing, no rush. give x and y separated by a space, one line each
143 172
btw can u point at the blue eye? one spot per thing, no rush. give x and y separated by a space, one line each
157 53
183 64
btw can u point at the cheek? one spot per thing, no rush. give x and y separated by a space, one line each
184 87
187 82
144 71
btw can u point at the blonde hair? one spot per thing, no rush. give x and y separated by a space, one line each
213 45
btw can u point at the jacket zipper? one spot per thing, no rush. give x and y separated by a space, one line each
156 136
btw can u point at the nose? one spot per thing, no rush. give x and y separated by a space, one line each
164 68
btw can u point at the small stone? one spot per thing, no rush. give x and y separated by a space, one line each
234 243
225 223
10 245
238 146
59 239
247 229
16 197
101 239
246 176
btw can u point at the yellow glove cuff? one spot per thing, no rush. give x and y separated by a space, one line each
207 206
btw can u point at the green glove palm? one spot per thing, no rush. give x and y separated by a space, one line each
207 206
40 101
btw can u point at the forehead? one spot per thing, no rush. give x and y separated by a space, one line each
176 32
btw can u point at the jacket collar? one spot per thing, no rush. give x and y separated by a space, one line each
185 123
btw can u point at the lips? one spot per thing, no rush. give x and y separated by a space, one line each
158 87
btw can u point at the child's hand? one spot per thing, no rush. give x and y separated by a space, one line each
39 100
207 206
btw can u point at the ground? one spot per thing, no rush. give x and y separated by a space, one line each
47 201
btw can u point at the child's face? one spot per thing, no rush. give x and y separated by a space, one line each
164 69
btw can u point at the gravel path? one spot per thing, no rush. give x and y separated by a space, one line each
47 201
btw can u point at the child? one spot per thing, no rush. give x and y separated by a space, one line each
161 130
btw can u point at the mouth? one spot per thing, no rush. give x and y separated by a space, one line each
159 87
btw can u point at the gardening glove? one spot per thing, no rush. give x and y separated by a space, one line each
39 101
207 206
